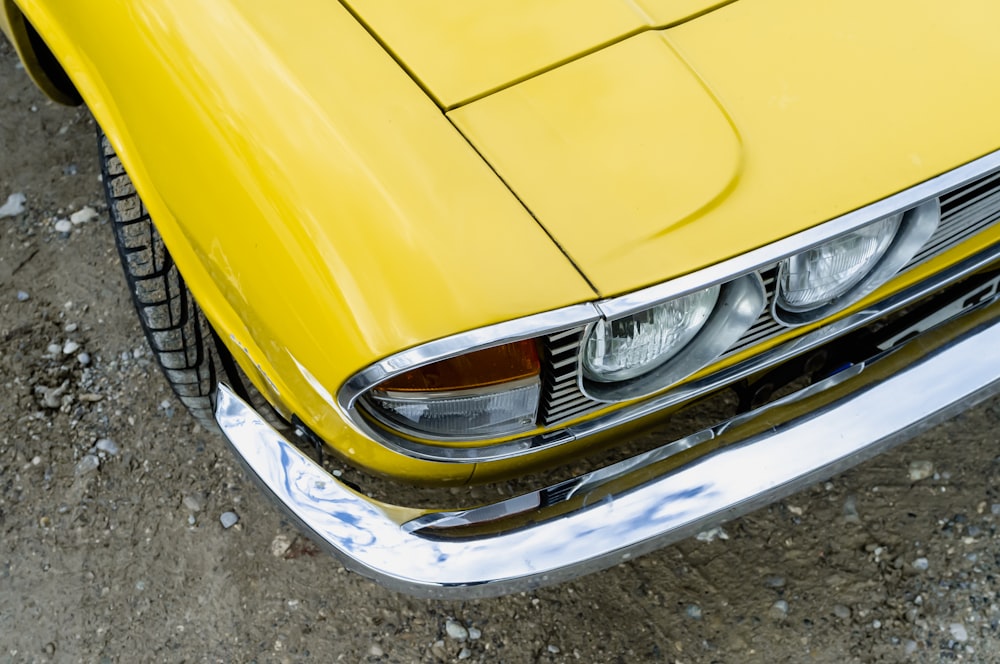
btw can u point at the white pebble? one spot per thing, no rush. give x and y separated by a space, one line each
14 205
456 630
229 519
712 534
83 215
920 470
22 296
107 446
779 609
54 349
921 564
192 503
376 650
83 358
280 546
63 226
553 649
958 632
71 327
70 347
87 464
475 634
464 653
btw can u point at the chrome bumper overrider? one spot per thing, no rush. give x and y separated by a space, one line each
613 514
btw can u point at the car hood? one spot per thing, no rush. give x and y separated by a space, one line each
670 150
459 51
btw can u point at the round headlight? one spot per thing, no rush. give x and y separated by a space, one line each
828 277
631 346
820 275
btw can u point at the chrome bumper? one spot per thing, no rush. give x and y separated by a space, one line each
635 506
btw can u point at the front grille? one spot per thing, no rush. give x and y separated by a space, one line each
965 211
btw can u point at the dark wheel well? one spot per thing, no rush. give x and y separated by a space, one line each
40 61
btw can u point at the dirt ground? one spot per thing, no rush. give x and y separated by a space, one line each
110 502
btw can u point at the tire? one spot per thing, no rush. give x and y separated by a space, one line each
192 357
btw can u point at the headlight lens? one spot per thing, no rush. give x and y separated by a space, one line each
628 347
827 278
820 275
486 393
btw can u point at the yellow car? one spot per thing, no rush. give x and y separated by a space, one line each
608 272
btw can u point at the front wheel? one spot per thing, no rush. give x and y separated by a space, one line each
186 348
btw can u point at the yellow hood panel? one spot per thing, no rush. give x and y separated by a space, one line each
636 171
463 50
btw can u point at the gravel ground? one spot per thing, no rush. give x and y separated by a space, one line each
129 534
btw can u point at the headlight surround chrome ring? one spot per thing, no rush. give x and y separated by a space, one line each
914 229
739 304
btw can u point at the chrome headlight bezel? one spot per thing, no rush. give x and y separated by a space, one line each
738 305
914 229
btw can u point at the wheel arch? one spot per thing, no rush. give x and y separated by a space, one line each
41 64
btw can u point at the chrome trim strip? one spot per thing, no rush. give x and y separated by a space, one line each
776 251
582 314
786 350
692 389
802 442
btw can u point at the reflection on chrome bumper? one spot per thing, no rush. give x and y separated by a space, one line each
605 517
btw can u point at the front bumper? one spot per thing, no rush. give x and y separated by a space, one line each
605 517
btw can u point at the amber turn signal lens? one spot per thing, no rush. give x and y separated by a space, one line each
491 366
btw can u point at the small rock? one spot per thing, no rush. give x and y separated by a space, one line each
958 632
53 349
921 564
84 215
851 510
909 646
920 470
841 611
70 347
107 446
87 464
456 630
13 206
49 649
712 534
71 327
376 650
280 545
553 649
83 359
464 653
229 519
22 296
193 503
63 226
779 609
775 582
995 509
475 634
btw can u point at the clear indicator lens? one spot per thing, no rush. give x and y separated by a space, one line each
820 275
480 412
628 347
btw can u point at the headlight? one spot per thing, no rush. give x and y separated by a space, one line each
631 346
487 393
820 275
826 278
636 355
